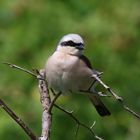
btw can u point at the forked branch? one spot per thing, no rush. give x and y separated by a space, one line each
118 98
47 105
79 123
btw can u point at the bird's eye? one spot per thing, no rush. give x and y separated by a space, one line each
68 43
71 43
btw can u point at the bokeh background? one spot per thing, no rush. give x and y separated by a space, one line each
29 32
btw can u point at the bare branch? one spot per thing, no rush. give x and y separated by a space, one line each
131 111
78 122
120 99
47 105
20 68
18 120
92 125
46 102
77 129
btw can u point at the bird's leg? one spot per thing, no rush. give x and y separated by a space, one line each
93 84
53 92
94 91
102 94
107 87
53 101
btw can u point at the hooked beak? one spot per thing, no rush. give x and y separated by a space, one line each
80 47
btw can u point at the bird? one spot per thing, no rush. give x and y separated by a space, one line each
69 70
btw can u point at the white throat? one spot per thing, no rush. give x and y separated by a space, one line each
69 50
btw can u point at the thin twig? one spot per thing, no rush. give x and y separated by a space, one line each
131 111
18 120
120 99
20 68
78 122
93 125
77 130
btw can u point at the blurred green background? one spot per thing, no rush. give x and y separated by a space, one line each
29 32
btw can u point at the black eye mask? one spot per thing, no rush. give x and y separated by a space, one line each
71 43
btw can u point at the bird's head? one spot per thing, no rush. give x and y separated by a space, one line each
72 44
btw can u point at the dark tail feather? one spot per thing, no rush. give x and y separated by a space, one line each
100 107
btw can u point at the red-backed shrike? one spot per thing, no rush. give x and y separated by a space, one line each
68 70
